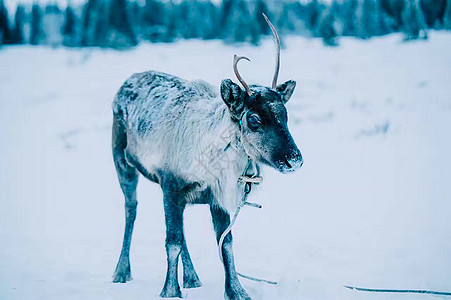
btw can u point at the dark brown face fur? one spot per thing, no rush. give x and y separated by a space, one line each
262 118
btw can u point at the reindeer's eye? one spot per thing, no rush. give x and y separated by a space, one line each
254 121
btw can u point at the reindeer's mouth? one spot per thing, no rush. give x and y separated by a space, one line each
285 167
287 163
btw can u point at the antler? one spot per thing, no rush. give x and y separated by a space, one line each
236 59
277 41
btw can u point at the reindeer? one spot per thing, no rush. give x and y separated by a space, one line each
163 124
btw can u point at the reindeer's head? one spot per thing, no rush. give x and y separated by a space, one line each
261 116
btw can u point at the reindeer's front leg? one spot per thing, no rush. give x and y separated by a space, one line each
233 288
173 212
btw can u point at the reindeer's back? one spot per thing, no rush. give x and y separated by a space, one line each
153 96
167 117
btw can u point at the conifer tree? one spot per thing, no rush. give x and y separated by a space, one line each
69 30
53 20
89 21
235 22
211 17
393 10
369 21
95 23
433 12
202 19
385 22
447 16
18 36
326 28
155 21
5 28
259 21
414 25
120 31
350 20
241 22
36 30
313 15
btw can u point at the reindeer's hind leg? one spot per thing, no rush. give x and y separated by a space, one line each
128 179
190 278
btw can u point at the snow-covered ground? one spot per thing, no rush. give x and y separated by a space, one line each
371 206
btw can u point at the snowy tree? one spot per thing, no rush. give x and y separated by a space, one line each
95 23
369 20
241 22
385 23
259 21
203 17
284 20
414 25
294 18
433 11
326 28
173 24
235 21
70 29
187 16
211 17
135 12
94 26
447 16
392 11
155 21
297 14
349 18
224 18
258 26
52 23
120 32
36 29
312 15
101 24
5 28
18 35
89 21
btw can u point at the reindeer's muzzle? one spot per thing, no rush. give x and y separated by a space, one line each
291 162
287 158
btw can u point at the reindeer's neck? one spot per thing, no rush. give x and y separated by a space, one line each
228 160
228 130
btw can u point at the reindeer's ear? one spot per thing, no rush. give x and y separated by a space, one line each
233 97
286 89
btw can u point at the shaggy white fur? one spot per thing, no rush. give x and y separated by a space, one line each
185 128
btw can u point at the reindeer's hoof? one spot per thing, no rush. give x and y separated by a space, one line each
244 296
191 280
122 273
192 284
236 293
122 277
173 292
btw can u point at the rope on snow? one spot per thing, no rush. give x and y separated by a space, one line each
397 291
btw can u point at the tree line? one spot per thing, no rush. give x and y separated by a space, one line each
125 23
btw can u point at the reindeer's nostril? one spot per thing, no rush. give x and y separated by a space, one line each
294 161
287 163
